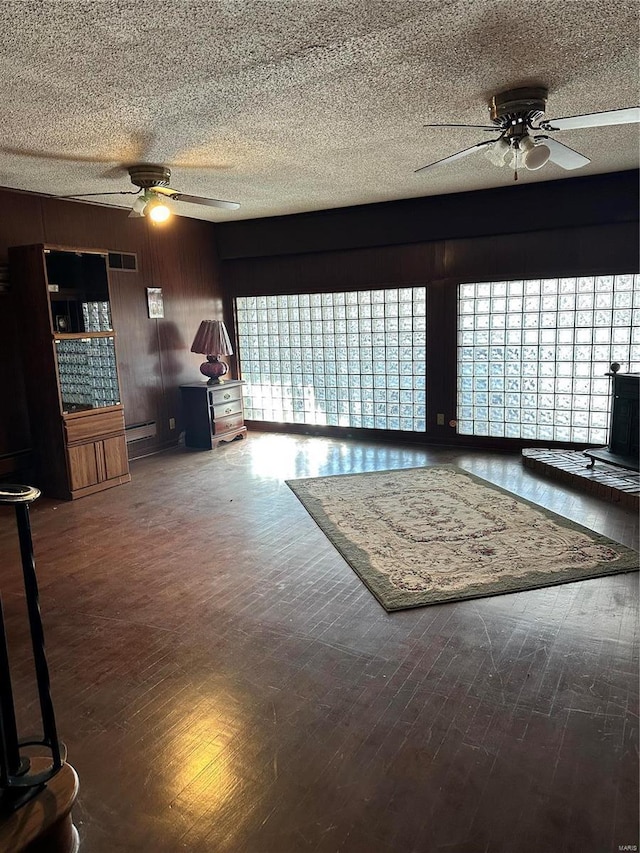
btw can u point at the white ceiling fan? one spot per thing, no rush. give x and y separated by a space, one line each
524 139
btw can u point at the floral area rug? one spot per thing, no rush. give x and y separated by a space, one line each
421 536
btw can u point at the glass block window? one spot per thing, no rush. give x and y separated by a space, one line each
532 355
354 359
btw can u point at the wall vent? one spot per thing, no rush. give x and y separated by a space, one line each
123 261
136 432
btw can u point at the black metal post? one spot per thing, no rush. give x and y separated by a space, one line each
9 749
17 784
37 633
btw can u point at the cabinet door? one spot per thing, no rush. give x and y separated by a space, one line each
116 462
83 465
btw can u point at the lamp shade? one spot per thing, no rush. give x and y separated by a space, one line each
212 338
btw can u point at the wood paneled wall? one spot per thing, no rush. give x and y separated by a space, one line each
512 209
153 355
580 226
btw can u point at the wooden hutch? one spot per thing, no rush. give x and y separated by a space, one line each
71 373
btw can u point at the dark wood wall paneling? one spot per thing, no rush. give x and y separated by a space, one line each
153 355
578 226
184 263
348 270
582 250
512 209
15 437
582 226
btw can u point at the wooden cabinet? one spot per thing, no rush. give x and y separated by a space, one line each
212 413
97 462
96 452
71 374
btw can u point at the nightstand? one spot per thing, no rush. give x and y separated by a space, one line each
212 413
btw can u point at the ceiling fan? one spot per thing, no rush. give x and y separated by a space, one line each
523 139
154 195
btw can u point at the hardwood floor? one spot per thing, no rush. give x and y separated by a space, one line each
224 682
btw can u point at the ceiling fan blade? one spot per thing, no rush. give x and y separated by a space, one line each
609 117
209 202
564 156
168 191
458 156
110 192
476 126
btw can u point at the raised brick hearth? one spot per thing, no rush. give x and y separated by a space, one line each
617 485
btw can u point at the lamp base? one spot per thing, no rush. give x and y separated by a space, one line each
214 369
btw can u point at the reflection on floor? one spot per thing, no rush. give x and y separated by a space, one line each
226 684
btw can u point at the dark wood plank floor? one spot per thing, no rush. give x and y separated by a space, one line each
224 682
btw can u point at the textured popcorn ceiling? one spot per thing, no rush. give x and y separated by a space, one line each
290 106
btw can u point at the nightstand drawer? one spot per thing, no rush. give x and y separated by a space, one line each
228 423
222 410
221 396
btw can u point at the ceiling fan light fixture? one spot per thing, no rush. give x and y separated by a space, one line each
537 157
512 160
156 210
138 207
526 143
498 152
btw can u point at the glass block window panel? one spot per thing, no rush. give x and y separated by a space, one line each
354 359
88 374
532 355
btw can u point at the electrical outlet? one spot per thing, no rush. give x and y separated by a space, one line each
440 419
172 423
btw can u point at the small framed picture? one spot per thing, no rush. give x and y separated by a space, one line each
154 302
63 323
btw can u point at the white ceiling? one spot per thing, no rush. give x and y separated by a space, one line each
296 105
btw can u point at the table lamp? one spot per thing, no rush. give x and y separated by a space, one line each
213 341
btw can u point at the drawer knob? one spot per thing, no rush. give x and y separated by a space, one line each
227 411
227 396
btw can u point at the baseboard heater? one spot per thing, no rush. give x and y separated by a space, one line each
136 432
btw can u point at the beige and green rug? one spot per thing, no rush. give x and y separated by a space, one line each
422 536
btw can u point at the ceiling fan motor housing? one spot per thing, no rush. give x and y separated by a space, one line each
148 176
516 109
